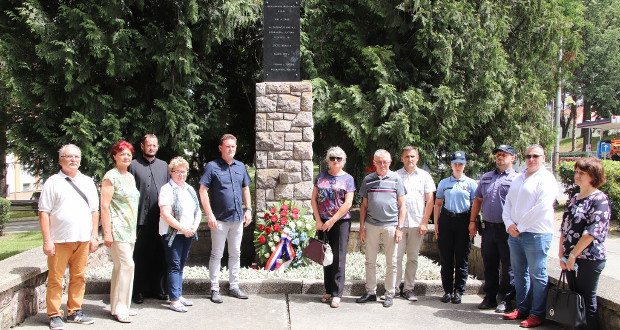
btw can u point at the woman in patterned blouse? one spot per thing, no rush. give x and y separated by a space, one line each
332 198
584 229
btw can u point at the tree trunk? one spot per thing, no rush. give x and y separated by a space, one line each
573 114
587 115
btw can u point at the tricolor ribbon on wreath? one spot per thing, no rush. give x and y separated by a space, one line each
284 247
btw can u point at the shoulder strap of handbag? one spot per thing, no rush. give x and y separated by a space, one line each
77 189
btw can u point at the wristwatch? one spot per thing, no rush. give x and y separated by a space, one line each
248 209
399 228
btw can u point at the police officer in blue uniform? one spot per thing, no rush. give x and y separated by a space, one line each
490 197
452 212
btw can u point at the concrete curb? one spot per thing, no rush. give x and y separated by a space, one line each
300 286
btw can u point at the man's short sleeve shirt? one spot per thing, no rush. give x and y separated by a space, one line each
225 183
70 215
418 184
382 195
493 188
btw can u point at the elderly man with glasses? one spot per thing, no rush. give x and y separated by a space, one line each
528 216
382 213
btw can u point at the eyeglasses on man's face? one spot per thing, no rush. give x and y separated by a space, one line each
71 156
334 158
533 155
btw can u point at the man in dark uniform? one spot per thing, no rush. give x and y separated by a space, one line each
490 196
150 271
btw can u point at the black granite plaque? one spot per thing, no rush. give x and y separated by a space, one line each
281 46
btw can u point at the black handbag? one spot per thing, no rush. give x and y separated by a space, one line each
565 306
319 252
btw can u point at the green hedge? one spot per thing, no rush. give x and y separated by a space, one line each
611 187
5 205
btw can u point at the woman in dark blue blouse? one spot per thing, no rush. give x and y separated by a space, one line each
584 228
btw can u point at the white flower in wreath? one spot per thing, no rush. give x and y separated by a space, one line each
308 226
286 230
271 245
267 255
273 248
299 223
276 238
292 225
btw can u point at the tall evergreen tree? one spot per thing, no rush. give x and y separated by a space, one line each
91 73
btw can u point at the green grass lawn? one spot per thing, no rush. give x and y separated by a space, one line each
16 215
14 243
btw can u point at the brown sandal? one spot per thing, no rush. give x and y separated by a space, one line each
335 302
326 298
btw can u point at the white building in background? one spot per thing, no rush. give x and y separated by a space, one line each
21 184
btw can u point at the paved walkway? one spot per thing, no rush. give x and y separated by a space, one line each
296 312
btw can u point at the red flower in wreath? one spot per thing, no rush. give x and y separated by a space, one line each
268 230
266 216
283 213
277 228
261 227
295 216
284 207
273 210
274 218
262 239
283 221
295 210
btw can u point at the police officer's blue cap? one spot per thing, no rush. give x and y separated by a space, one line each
505 148
459 157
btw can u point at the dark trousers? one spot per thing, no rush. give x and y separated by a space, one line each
585 283
495 250
334 274
454 247
148 256
176 257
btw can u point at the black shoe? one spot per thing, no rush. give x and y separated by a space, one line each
487 303
446 298
138 298
502 307
389 301
401 289
162 296
366 298
456 298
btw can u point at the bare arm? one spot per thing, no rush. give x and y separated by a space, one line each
107 191
247 199
165 211
206 205
48 245
94 235
363 210
428 209
475 210
318 223
438 205
402 212
581 245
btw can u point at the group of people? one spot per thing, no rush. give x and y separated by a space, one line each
149 219
516 226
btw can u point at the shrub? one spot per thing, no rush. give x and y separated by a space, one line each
611 187
5 205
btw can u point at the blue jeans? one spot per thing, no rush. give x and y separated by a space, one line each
176 256
528 256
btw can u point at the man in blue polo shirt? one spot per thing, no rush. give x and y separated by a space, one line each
382 213
490 197
223 185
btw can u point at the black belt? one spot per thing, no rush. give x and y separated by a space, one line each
454 215
488 224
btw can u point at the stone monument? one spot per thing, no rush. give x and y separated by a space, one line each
284 124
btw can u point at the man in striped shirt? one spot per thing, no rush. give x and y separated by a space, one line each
382 214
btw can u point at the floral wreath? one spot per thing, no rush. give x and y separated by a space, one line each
281 234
